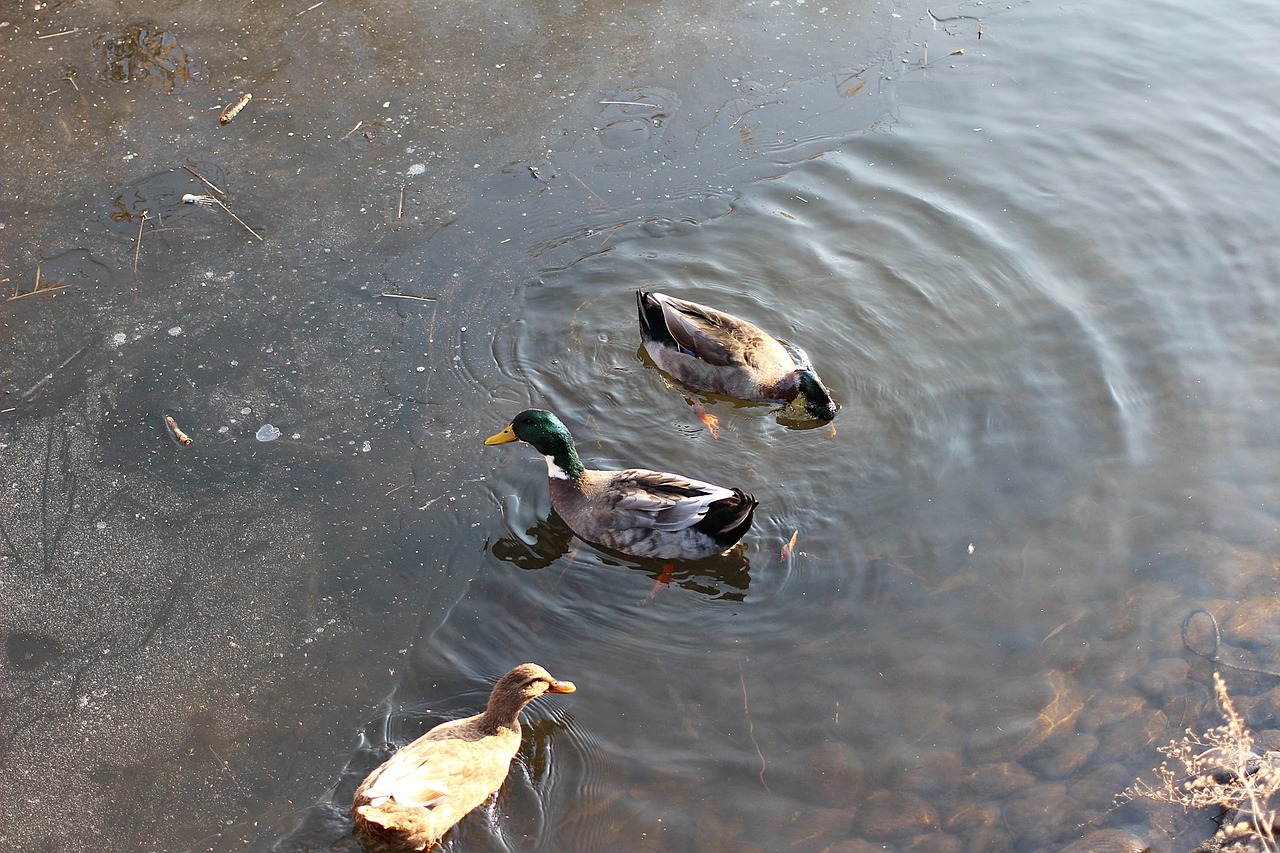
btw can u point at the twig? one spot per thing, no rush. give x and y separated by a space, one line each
48 377
751 729
400 206
205 180
359 125
227 767
629 103
309 8
407 296
55 35
237 218
137 243
588 189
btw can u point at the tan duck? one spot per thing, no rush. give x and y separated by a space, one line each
710 350
637 511
424 789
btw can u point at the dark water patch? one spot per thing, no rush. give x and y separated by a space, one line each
161 199
26 651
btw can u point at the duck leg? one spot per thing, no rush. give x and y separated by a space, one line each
711 422
663 580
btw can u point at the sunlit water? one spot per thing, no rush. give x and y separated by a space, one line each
1041 291
1032 251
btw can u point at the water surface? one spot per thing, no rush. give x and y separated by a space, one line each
1029 247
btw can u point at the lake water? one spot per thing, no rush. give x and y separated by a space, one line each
1030 247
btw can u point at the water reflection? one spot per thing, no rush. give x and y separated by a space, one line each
551 543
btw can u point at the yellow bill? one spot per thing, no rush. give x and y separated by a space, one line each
507 435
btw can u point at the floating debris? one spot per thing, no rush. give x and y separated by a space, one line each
233 109
267 433
175 431
789 548
192 198
145 53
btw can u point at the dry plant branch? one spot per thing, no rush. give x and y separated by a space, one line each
1220 769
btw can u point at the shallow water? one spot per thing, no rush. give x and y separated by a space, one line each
1029 247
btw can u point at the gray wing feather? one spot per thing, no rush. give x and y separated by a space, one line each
659 501
697 329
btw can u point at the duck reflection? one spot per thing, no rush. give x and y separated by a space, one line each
724 576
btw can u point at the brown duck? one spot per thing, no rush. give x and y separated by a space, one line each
717 352
419 793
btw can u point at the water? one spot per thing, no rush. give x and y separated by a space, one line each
1037 273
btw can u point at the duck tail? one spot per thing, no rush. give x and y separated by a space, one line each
728 519
391 826
653 324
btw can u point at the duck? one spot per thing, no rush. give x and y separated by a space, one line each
709 350
638 512
418 794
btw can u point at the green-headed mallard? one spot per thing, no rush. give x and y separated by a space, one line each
417 794
710 350
638 512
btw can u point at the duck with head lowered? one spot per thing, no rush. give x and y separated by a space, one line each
639 512
709 350
418 794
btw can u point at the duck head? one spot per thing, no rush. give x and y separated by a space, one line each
815 396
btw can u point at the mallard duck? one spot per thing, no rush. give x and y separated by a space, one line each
638 512
414 798
710 350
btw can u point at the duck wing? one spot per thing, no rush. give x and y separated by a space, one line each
656 500
437 768
422 784
713 336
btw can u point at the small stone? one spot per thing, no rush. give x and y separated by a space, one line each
1038 814
935 770
1164 678
1110 707
935 842
889 813
1254 625
1000 780
1109 841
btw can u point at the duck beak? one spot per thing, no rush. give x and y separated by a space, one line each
507 435
562 687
